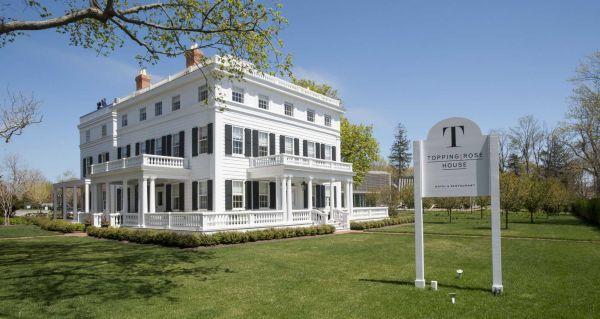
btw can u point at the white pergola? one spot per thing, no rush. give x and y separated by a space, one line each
62 188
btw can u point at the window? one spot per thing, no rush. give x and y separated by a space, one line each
238 140
289 145
237 194
175 197
175 147
159 199
237 95
327 120
203 93
328 152
263 102
328 196
311 149
158 108
263 194
142 114
143 148
104 130
124 120
203 139
175 103
88 166
289 109
158 147
202 195
88 136
310 115
263 144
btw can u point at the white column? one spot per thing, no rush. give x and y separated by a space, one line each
289 198
278 192
86 196
64 202
124 199
75 201
94 198
283 194
495 195
143 208
187 195
309 195
331 195
419 251
108 198
152 194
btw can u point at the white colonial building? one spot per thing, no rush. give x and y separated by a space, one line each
203 153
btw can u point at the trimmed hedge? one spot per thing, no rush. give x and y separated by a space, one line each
189 239
17 220
382 223
56 225
587 209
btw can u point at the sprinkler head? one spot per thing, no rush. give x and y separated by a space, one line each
459 273
452 297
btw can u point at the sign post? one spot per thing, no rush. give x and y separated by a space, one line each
457 160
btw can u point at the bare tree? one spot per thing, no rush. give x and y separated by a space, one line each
18 112
12 185
525 139
504 141
583 118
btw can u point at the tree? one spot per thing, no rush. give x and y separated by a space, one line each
525 139
359 147
450 203
556 158
17 112
504 148
511 195
38 189
12 185
233 29
482 202
583 118
400 156
320 88
533 188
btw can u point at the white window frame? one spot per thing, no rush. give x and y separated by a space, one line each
263 194
310 115
288 108
327 120
124 120
175 198
237 144
203 93
175 102
158 146
263 144
142 114
104 130
311 153
263 102
88 136
175 145
237 95
203 140
158 108
202 195
289 145
328 150
237 197
142 147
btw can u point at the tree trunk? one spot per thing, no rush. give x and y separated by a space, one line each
6 219
506 219
481 212
450 213
531 216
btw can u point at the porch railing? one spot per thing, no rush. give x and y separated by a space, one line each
144 160
299 161
364 213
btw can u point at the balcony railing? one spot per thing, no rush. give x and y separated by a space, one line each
144 160
299 161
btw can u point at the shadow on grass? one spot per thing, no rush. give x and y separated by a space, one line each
44 272
412 284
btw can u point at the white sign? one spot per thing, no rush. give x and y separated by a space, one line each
457 160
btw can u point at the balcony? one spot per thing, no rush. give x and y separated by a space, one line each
294 161
140 162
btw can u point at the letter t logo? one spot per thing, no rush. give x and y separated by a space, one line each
453 134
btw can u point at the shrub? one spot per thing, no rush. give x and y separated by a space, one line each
382 223
17 220
188 240
56 225
587 209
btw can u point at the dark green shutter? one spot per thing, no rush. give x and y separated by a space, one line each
272 195
209 194
304 148
228 143
195 141
281 144
194 195
271 144
181 197
182 144
254 143
168 197
209 134
333 153
248 192
247 142
228 193
296 146
255 191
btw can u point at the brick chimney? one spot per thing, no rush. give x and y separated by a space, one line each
193 56
142 81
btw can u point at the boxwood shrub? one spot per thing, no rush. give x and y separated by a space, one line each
587 209
17 220
56 225
189 239
382 223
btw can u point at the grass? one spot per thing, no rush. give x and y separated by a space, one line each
355 275
563 226
23 231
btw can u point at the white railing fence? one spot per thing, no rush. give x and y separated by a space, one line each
300 161
143 160
366 213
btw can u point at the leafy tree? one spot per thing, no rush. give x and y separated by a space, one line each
320 88
407 197
556 197
400 156
534 193
236 29
38 189
482 202
450 203
12 185
359 147
511 194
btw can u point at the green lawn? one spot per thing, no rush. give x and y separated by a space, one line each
356 275
555 227
23 231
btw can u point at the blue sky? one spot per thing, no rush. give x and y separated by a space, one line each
414 62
